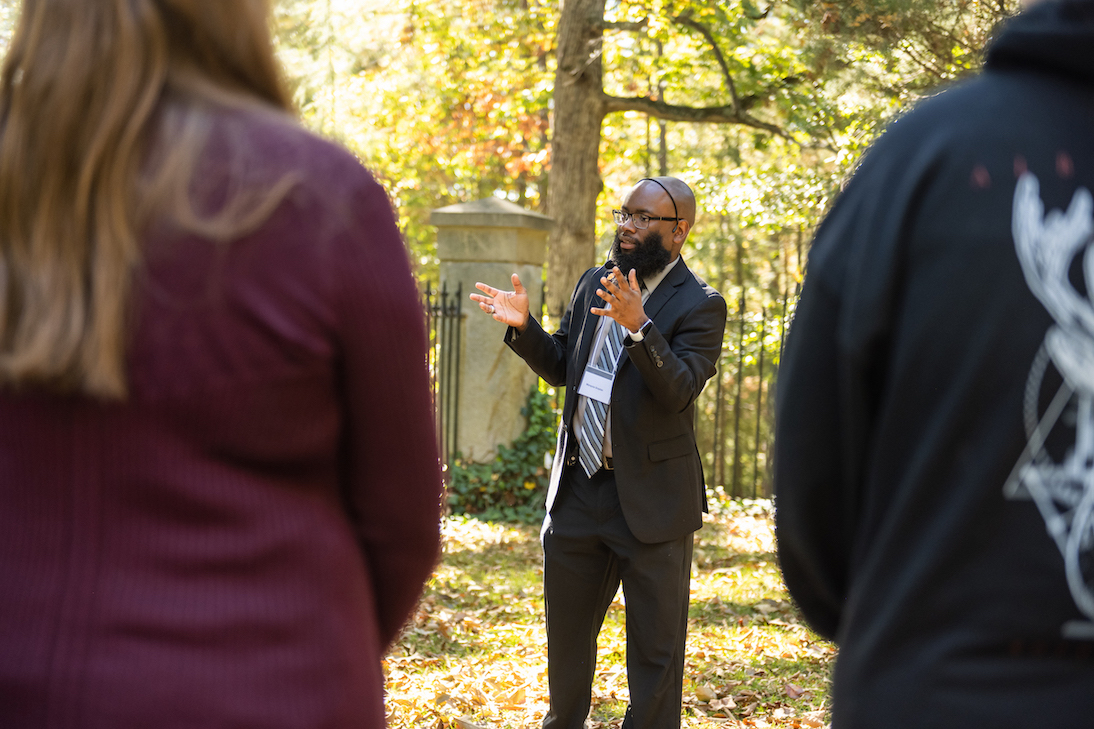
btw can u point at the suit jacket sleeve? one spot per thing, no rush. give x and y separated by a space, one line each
392 478
675 374
547 354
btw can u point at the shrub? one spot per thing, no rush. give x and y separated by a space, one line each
512 487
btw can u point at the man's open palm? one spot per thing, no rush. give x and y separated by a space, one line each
508 307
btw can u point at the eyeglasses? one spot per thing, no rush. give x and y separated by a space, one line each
641 220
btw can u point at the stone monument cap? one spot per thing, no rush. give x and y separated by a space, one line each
491 212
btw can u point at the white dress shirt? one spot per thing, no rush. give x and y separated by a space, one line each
599 338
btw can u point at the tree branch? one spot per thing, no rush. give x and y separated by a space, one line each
925 64
634 26
764 14
687 20
708 114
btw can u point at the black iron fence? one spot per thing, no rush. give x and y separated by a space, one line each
734 415
445 311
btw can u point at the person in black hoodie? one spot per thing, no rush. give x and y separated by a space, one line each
934 470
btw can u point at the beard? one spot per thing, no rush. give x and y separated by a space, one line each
648 257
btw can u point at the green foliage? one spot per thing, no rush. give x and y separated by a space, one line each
900 49
449 101
513 486
445 101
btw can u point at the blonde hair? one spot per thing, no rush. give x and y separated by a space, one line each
87 88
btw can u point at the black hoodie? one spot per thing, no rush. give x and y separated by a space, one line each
935 437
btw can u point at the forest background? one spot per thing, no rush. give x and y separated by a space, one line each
762 106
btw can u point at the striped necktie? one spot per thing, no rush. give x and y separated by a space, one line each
591 437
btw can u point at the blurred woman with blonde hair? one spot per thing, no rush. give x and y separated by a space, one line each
219 486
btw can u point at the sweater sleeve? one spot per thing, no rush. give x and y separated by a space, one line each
392 473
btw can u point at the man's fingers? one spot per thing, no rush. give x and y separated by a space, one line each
518 287
484 303
634 281
485 289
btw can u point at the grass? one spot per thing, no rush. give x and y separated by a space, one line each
475 653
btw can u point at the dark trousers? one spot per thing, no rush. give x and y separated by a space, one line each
588 551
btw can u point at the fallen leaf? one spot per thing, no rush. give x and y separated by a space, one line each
467 724
471 602
516 698
813 719
726 703
705 693
794 691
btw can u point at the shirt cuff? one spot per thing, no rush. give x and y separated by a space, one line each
641 333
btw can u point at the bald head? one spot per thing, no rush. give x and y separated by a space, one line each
681 195
670 205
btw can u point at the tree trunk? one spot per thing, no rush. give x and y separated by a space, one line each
663 149
662 127
737 491
720 396
574 179
786 295
759 403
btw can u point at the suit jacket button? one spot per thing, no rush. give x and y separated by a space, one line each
659 363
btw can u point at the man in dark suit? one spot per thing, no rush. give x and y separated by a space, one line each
636 345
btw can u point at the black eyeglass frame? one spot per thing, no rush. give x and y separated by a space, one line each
622 217
675 210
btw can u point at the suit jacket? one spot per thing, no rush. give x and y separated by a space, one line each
657 468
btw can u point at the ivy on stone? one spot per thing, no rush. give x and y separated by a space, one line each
513 486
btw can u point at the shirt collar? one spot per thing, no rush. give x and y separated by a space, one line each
651 283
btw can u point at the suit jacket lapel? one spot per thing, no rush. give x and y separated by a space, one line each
666 289
661 295
589 320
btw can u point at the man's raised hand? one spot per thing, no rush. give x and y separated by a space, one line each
508 307
625 296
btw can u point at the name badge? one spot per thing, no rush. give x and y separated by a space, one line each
597 384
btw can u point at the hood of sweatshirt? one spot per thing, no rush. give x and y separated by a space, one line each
1051 37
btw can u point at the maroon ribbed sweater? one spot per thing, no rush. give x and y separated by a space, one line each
237 543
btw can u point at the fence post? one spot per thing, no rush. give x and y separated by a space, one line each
488 240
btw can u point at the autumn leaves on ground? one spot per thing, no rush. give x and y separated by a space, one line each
475 654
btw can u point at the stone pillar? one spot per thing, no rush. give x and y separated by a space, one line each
489 240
